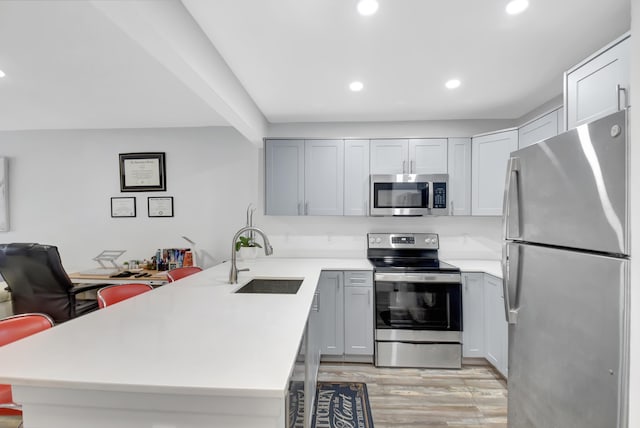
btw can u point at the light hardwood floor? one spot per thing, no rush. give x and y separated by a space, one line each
473 397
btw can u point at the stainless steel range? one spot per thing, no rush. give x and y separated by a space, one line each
418 302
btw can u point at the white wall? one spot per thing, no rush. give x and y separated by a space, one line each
634 396
407 129
61 182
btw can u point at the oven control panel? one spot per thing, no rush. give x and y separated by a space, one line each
427 241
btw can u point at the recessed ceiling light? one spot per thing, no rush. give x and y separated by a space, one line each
367 7
452 84
515 7
356 86
2 74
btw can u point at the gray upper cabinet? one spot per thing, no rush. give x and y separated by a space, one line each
428 156
459 160
410 156
356 177
284 170
599 85
389 156
304 177
489 157
324 177
540 129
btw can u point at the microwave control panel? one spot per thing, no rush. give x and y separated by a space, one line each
439 195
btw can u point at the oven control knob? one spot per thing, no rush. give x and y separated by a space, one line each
378 240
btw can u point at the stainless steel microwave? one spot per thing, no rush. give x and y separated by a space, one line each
409 194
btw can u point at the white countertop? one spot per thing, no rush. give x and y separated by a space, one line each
492 267
191 336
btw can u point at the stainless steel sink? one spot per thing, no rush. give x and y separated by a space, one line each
271 286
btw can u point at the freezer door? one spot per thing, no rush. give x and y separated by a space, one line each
571 190
567 339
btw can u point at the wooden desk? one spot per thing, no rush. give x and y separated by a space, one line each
157 278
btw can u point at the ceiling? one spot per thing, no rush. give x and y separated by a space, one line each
69 66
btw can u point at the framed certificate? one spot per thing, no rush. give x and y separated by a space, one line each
142 172
123 207
160 207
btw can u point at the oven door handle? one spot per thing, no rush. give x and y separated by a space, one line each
448 278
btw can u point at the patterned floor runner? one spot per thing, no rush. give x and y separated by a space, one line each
338 405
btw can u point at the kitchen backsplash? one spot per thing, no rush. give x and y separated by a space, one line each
354 246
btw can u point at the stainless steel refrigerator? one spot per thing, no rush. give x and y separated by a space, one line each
566 278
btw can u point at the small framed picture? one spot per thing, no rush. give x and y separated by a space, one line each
160 206
142 172
123 207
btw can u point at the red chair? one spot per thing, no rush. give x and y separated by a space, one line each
179 273
112 294
11 329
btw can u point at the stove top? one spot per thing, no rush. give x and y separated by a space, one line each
400 264
406 252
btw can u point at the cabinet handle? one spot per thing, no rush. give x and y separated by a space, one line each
452 207
299 207
621 89
306 208
404 163
410 167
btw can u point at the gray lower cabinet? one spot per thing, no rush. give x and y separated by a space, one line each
345 313
496 327
473 315
330 302
485 329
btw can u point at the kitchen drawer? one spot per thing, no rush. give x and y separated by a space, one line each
358 278
402 354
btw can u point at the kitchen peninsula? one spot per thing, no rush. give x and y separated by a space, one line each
188 354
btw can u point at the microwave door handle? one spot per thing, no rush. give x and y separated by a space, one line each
430 194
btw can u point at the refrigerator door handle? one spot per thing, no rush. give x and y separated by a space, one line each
510 268
511 215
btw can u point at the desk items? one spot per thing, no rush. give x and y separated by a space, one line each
172 258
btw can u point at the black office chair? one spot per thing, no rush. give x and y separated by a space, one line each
38 282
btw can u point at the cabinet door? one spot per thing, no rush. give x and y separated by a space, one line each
358 320
428 156
459 168
330 302
473 315
284 170
389 156
496 327
324 177
538 130
356 177
592 88
489 155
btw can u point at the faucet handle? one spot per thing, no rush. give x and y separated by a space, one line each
244 270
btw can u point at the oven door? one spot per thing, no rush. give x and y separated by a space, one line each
429 302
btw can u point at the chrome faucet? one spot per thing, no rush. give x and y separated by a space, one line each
268 250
